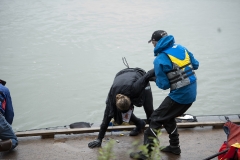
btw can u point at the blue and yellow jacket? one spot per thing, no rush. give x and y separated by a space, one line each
174 59
6 107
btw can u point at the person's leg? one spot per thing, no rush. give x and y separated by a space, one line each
9 139
164 115
148 102
134 119
156 121
171 127
149 135
140 125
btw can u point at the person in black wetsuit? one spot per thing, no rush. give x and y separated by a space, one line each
130 88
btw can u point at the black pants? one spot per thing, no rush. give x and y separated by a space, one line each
146 101
165 116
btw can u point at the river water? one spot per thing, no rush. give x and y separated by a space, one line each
59 58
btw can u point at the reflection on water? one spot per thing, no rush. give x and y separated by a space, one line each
59 58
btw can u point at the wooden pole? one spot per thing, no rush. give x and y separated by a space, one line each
51 133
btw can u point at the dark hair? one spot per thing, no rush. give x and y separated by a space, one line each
123 103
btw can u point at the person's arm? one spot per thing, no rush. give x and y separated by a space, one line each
104 125
103 129
162 64
9 113
142 82
6 104
194 62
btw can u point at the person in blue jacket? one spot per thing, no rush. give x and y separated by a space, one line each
174 67
8 138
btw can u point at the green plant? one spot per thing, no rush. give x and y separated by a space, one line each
155 153
106 153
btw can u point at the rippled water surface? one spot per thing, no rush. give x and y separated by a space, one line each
59 58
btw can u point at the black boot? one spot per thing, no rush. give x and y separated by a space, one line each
147 142
172 149
138 129
173 140
5 145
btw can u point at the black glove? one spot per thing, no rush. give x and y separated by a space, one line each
150 74
152 79
95 143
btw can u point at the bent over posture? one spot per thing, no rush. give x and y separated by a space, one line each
174 68
130 87
9 139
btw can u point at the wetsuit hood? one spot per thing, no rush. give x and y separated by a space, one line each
163 44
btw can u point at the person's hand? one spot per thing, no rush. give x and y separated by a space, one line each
152 79
95 143
151 73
